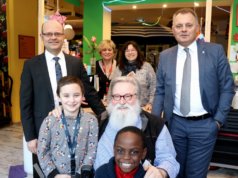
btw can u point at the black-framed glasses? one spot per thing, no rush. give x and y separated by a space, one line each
50 34
126 97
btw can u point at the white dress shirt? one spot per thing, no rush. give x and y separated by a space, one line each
196 107
51 70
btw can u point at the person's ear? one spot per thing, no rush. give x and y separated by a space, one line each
41 36
59 99
144 153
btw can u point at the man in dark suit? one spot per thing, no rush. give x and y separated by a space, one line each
38 83
195 116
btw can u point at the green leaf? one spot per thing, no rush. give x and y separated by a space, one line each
87 41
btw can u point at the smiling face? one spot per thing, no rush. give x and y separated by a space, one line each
124 89
131 53
128 151
71 98
107 54
185 28
53 43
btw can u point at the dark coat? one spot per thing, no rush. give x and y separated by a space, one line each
36 96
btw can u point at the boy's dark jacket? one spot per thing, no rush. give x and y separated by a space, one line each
108 170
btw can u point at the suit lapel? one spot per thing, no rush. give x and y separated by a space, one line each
201 63
173 59
68 64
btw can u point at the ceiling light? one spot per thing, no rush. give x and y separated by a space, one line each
164 5
134 7
196 4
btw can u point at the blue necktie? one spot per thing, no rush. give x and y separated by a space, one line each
57 68
186 82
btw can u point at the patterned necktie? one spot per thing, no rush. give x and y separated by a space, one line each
58 71
186 82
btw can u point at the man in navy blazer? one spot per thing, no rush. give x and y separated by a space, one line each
211 92
38 83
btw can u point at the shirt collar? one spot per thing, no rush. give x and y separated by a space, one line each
51 56
192 47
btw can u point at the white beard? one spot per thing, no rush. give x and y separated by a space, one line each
123 115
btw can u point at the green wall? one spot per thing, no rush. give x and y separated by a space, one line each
92 25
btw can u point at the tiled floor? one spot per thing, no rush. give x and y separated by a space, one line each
11 153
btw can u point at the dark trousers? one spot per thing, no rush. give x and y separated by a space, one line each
194 142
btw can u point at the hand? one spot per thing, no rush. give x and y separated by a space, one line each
32 146
148 107
56 112
84 102
154 172
131 74
62 176
103 115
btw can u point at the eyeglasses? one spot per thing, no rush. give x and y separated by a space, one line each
126 97
56 34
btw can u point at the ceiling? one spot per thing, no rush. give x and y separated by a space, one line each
151 12
124 14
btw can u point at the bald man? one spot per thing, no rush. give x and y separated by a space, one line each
38 83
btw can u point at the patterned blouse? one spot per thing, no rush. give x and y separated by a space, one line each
53 152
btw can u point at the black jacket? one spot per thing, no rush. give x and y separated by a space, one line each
36 96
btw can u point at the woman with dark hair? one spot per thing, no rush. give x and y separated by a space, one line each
132 63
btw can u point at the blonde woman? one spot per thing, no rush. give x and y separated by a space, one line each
106 65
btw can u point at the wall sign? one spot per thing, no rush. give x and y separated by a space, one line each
26 46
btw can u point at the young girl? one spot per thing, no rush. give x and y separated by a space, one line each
67 143
129 150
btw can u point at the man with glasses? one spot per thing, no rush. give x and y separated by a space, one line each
124 110
39 81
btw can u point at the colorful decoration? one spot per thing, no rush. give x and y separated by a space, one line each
5 80
153 24
104 3
57 16
236 37
3 37
92 45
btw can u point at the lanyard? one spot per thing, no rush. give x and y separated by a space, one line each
104 69
71 145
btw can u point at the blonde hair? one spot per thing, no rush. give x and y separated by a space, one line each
106 44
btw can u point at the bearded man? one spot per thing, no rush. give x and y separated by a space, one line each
124 110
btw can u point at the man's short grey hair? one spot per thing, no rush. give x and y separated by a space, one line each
124 79
186 11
